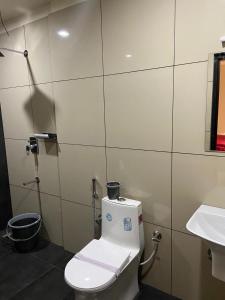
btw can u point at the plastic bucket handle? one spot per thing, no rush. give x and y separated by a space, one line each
9 225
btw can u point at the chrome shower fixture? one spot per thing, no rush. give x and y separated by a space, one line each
25 52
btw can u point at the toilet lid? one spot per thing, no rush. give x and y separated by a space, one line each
87 277
105 254
96 266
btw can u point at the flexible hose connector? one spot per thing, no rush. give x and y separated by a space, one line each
156 238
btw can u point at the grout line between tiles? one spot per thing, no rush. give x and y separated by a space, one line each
171 165
90 206
211 153
33 190
78 203
60 195
103 75
35 280
104 101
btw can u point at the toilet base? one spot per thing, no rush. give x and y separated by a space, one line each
124 288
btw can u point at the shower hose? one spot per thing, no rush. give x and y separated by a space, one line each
156 238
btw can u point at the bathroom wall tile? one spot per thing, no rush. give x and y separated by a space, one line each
145 176
196 39
197 179
52 218
79 54
13 66
24 200
37 43
78 165
48 168
16 112
159 276
139 110
191 275
21 166
80 111
43 108
77 226
190 108
139 37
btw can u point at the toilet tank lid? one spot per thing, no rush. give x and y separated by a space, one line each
105 254
125 201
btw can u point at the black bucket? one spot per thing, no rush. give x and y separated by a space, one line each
113 190
24 231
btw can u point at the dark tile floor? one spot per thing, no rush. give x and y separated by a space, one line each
39 274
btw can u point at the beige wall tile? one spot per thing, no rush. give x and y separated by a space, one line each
196 179
52 218
37 43
190 108
16 112
159 276
21 166
59 4
79 54
137 36
192 279
199 26
139 110
43 108
48 168
13 66
77 226
78 165
23 200
80 111
145 176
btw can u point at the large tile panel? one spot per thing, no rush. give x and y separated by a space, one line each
79 53
37 43
48 168
16 112
199 26
190 91
159 276
43 108
197 179
13 66
24 200
137 35
78 165
77 225
28 201
52 218
139 110
80 111
192 279
21 166
145 176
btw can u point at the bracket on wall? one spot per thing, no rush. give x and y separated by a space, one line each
32 145
46 136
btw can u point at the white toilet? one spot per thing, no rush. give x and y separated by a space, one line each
108 268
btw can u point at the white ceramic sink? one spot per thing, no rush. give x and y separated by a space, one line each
208 222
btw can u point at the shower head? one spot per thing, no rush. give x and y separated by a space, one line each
25 52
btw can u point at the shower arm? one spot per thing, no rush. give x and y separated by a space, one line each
25 52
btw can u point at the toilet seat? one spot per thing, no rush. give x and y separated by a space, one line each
96 266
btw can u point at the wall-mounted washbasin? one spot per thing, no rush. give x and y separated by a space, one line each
208 222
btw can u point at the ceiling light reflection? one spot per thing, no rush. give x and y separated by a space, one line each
63 33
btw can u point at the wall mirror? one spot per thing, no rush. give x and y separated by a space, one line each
215 112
